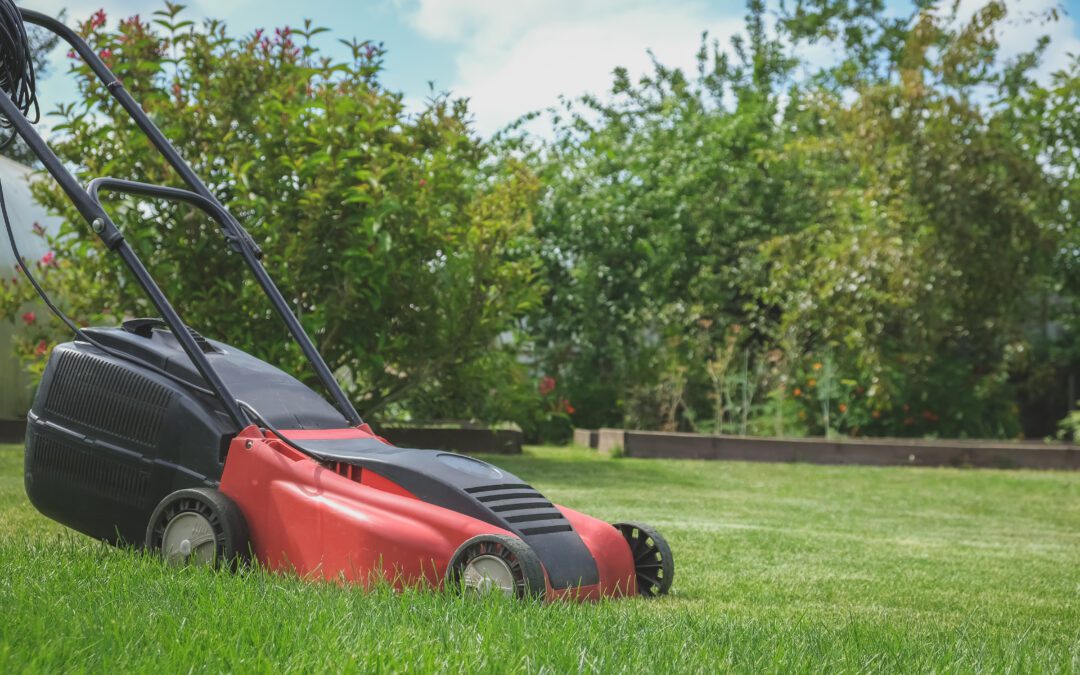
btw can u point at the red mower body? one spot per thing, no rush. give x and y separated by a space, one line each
355 525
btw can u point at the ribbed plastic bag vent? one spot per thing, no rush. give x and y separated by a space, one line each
107 397
87 471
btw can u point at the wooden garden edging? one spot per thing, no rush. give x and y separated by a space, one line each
464 440
873 452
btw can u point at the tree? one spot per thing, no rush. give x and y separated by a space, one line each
856 249
400 242
654 205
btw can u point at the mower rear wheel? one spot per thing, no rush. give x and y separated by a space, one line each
198 526
654 565
496 563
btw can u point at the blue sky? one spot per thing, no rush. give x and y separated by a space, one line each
513 56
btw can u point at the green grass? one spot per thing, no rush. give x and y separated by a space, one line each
778 568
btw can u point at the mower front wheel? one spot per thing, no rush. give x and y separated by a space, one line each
497 563
654 565
198 526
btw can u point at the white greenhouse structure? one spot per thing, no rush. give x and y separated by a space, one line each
15 391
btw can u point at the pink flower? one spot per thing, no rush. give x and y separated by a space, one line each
105 54
41 348
98 19
29 318
547 385
48 259
423 182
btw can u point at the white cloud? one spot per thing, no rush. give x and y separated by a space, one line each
515 57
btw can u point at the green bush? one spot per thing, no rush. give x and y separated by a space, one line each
399 239
710 239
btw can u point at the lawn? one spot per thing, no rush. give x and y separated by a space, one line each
779 567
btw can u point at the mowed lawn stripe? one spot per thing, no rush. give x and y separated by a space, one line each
780 567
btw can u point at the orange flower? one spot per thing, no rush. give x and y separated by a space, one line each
817 366
843 408
797 391
811 382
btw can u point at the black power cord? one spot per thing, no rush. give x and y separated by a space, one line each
16 67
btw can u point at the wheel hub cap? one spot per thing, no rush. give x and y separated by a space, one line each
487 574
189 537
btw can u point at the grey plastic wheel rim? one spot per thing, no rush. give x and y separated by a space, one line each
489 574
189 539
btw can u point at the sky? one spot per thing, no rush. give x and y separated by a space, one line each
510 57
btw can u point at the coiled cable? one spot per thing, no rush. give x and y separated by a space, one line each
16 68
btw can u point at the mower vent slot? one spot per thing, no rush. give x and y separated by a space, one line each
548 529
490 488
521 507
534 517
513 495
89 470
107 398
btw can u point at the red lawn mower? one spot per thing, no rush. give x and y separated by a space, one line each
149 434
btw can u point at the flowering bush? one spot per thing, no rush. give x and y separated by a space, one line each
398 238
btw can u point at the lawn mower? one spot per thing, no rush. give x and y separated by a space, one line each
150 435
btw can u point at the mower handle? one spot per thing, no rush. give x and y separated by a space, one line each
235 234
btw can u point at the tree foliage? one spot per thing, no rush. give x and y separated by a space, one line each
881 245
397 238
856 250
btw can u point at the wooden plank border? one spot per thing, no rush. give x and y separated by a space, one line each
871 452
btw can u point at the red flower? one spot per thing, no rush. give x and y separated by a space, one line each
423 182
570 409
547 385
105 54
41 348
71 54
48 259
29 318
